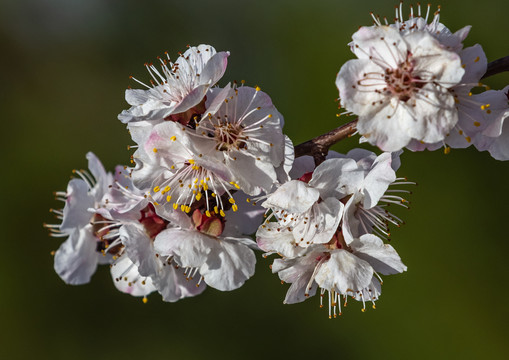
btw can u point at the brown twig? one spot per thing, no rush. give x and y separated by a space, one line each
318 147
497 66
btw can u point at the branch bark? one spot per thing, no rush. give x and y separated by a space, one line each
497 66
318 147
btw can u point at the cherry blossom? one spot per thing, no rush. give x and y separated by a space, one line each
399 86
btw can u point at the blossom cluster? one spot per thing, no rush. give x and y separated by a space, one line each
414 85
212 167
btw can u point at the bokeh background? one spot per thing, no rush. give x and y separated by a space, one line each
64 67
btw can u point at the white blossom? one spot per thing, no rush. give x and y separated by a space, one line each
208 249
339 269
399 86
178 91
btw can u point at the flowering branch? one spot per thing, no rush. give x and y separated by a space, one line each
172 223
319 146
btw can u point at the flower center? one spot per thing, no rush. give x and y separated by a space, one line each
401 82
152 223
106 232
229 136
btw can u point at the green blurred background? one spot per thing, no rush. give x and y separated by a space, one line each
65 65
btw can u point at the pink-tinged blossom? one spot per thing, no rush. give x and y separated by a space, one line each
399 86
77 258
305 211
340 270
364 187
178 172
168 279
246 130
176 92
208 249
482 124
97 205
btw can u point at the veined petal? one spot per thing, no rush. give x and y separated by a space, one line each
228 265
76 259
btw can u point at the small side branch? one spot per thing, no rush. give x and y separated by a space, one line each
497 66
318 147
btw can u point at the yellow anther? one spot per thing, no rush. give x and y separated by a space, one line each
175 206
215 209
182 207
363 310
231 200
463 66
270 115
468 139
145 300
374 307
198 196
221 212
168 198
172 167
157 188
173 138
188 209
235 207
469 94
195 181
167 188
191 161
207 179
213 194
208 213
154 150
447 150
248 200
476 59
477 123
257 88
156 203
205 187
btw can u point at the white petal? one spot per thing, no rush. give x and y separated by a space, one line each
344 272
295 197
382 257
228 265
76 214
76 259
378 180
128 280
